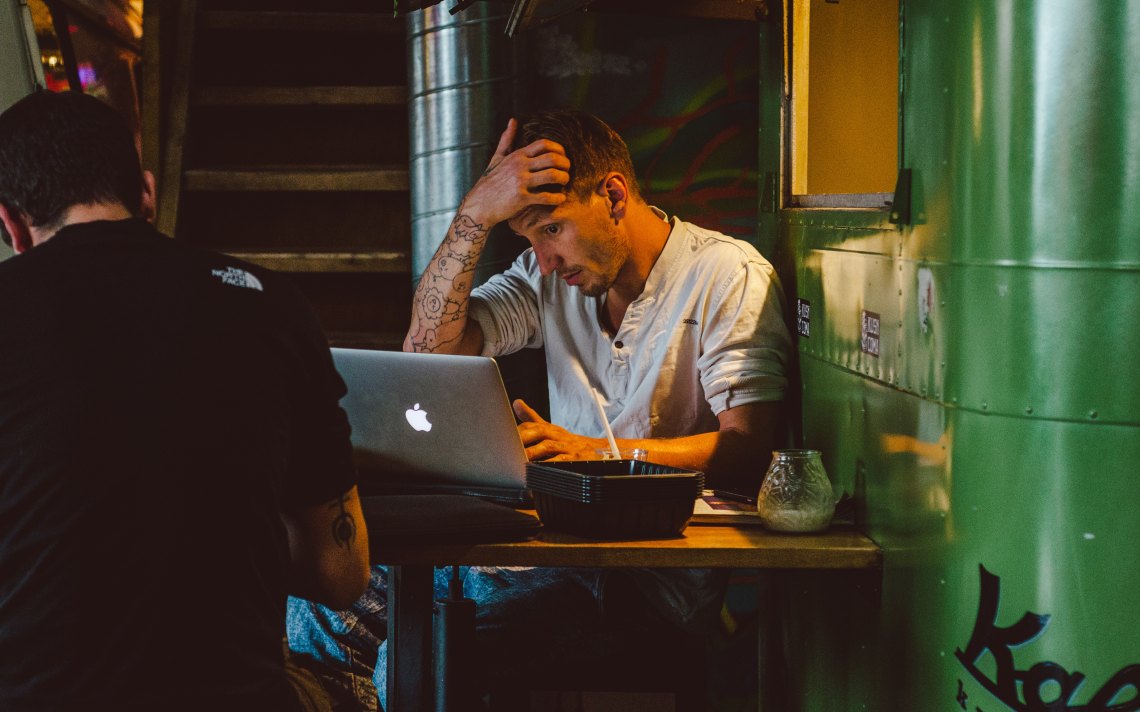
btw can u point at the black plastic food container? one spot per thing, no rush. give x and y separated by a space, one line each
614 499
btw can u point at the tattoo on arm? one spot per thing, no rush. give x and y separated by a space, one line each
344 526
442 298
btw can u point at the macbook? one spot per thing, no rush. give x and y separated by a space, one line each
424 423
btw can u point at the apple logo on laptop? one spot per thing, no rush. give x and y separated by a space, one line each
417 418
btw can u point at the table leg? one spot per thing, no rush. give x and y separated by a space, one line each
772 593
410 594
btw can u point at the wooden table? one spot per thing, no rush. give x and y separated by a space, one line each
410 578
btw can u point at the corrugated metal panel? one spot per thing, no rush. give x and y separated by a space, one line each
460 95
999 425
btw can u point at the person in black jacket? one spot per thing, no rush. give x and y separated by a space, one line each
173 459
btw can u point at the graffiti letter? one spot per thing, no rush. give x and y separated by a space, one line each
1128 676
1041 673
988 636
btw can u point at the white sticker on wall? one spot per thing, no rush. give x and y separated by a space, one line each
869 338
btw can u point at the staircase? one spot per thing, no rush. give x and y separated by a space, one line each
282 138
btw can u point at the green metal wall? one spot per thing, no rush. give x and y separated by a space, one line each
999 425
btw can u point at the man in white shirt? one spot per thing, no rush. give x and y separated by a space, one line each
679 329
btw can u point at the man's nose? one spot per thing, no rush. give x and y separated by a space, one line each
547 260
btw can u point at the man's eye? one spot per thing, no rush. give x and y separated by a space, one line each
550 230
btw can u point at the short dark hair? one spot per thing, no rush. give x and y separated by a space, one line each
60 150
594 149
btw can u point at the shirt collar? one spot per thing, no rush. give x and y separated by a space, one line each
96 230
673 245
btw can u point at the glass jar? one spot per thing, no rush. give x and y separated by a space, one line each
796 495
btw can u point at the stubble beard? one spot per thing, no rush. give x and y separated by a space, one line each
594 289
611 255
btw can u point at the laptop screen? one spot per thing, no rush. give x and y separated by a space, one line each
431 422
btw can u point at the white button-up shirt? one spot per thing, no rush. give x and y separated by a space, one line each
706 334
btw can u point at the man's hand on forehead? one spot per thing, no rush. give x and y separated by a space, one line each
536 174
547 159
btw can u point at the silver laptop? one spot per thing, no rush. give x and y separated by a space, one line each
431 423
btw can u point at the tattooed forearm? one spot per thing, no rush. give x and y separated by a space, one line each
467 229
343 526
439 313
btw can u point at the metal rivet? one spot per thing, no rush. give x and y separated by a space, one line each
1093 414
1029 410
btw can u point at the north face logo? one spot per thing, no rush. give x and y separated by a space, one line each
237 278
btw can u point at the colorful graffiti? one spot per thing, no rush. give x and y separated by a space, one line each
689 115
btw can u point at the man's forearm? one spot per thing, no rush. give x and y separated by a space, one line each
734 457
728 458
442 299
512 182
328 551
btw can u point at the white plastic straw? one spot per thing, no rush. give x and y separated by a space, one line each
614 451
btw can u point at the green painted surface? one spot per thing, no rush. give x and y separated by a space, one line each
1047 505
999 424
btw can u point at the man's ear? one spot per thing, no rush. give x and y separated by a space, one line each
16 224
616 191
147 207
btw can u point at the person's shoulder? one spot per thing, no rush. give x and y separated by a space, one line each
713 246
23 271
12 266
222 271
13 279
229 271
